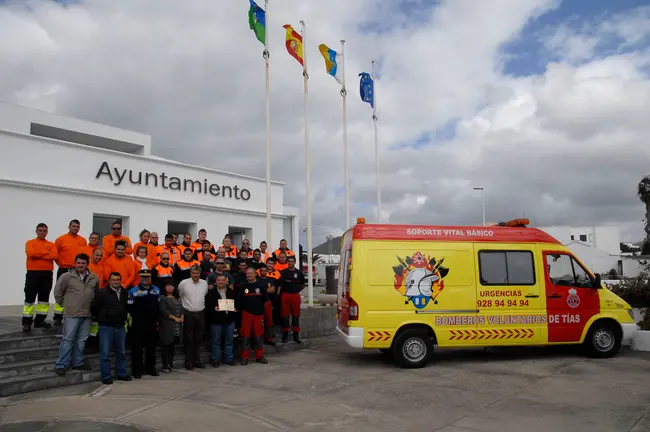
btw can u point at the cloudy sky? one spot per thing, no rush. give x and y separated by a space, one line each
543 103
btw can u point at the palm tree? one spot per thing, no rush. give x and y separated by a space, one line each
643 192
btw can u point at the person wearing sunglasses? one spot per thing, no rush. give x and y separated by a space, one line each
163 273
108 242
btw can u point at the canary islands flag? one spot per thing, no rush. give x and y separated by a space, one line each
331 62
257 21
294 44
367 88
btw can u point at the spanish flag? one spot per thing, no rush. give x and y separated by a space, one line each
294 44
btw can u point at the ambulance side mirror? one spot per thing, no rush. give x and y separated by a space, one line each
597 281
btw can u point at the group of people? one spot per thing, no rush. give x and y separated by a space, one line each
160 293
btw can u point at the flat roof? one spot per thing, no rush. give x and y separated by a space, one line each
495 234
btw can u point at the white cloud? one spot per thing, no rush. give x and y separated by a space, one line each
564 147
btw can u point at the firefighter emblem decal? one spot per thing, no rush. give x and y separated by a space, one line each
420 279
573 300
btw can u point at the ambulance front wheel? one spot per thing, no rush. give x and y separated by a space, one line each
603 340
412 348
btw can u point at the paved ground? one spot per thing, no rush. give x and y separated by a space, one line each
330 387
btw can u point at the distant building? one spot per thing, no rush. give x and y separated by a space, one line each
598 247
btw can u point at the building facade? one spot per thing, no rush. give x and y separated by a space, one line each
55 169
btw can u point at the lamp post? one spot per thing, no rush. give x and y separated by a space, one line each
482 201
329 241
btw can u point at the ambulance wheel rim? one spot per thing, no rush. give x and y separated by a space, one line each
414 350
603 340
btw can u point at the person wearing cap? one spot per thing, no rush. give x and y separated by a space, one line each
144 310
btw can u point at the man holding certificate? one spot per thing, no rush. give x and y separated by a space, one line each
220 314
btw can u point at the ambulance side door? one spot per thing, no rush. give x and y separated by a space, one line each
508 298
571 299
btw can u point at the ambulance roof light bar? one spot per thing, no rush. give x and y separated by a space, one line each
361 221
520 223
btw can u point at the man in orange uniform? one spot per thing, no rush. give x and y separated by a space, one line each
145 240
109 240
154 239
229 249
96 265
251 299
121 263
265 252
282 263
68 246
187 243
162 274
198 243
183 266
170 248
38 280
283 248
246 247
93 243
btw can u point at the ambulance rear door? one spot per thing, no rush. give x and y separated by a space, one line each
347 309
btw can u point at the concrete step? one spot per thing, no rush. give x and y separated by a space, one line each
18 333
38 374
28 354
8 344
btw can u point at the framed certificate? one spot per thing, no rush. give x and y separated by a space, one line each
227 305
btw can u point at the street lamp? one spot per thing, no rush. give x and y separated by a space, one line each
329 240
482 201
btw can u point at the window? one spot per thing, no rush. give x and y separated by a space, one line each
102 224
506 267
583 237
573 237
564 270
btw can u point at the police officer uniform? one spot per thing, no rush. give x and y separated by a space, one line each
144 310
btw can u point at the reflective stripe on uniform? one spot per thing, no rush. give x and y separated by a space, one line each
28 310
94 328
58 309
42 308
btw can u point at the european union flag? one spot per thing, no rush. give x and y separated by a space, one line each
367 88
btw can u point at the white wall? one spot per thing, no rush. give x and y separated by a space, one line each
42 161
596 260
30 206
18 119
606 238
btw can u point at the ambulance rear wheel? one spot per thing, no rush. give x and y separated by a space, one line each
603 340
412 348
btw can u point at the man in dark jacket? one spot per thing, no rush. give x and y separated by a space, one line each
144 311
222 322
109 307
251 299
292 281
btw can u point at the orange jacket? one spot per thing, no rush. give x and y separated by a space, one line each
98 269
279 266
68 246
232 253
40 254
108 243
88 250
174 254
265 256
124 266
152 260
288 253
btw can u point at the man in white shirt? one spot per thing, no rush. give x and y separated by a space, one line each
192 294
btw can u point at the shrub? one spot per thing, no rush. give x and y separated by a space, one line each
635 291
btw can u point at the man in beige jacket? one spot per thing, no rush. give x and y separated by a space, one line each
75 291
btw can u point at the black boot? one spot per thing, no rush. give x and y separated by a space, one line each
268 337
285 337
296 338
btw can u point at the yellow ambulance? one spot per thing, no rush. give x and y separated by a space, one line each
404 289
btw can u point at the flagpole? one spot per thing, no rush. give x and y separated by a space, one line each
344 93
375 120
310 279
268 129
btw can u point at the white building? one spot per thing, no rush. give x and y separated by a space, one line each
54 169
598 247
